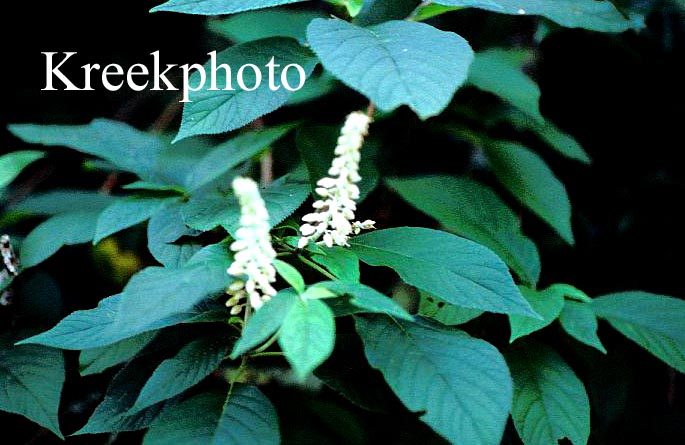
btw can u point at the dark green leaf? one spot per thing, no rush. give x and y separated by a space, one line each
96 360
366 299
580 322
461 384
455 269
291 275
307 336
166 227
378 11
655 322
194 362
500 71
63 201
341 262
394 63
217 7
31 379
212 112
447 314
550 402
590 14
62 230
530 180
470 209
125 213
256 25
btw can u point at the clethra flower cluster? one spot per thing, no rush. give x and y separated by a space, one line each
334 212
254 256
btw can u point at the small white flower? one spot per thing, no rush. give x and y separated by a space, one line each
254 255
334 213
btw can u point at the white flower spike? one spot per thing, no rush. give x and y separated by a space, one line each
334 213
254 256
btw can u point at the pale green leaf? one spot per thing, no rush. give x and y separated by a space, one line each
125 213
548 303
12 164
217 7
255 25
580 322
447 314
365 299
341 262
291 275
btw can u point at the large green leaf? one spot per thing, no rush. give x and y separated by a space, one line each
532 183
378 11
655 322
341 262
194 362
590 14
212 112
461 384
580 322
12 164
254 25
445 313
217 7
455 269
208 213
63 201
394 63
61 230
31 379
550 402
96 360
127 148
111 415
470 209
125 213
307 336
246 417
154 298
229 154
548 303
499 71
365 299
165 228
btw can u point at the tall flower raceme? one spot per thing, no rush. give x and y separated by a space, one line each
333 217
254 255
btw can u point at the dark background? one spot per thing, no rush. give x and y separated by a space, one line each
621 96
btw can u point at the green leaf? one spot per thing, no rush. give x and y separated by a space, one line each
307 336
63 201
291 275
394 63
655 322
111 415
553 136
255 25
580 322
231 153
589 14
472 210
124 146
31 380
459 383
366 299
246 417
217 7
265 322
430 10
164 229
341 262
212 112
95 360
311 139
445 313
12 164
455 269
378 11
353 7
194 362
125 213
530 180
208 213
500 71
548 303
154 298
62 230
550 402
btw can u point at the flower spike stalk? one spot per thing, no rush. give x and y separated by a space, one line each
254 255
333 216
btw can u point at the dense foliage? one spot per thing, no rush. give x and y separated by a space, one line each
409 318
